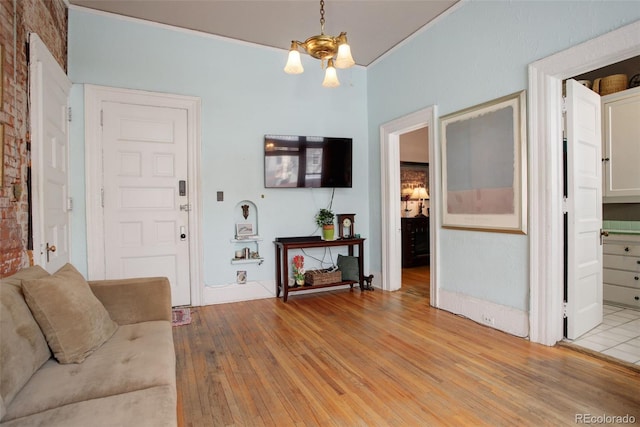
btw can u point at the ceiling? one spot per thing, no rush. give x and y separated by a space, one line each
373 27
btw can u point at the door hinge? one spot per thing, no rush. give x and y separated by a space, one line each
565 206
186 207
564 309
564 104
69 114
69 203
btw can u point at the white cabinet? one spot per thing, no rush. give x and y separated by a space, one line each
621 146
621 274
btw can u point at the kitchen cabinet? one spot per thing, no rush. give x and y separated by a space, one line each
621 147
621 273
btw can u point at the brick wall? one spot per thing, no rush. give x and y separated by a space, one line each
18 18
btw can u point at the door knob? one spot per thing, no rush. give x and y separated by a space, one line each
50 249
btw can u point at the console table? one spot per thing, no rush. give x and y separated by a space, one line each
282 262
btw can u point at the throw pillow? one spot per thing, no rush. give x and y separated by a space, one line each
73 320
348 265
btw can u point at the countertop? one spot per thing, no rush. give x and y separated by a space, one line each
622 227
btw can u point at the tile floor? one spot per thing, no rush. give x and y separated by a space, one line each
617 336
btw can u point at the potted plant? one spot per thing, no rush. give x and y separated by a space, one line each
324 219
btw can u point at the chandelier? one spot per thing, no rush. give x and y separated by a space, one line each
324 48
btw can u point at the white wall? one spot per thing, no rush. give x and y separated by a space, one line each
478 52
245 94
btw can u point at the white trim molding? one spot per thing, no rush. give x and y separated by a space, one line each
390 197
546 247
94 96
501 317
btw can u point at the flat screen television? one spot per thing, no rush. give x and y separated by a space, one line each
307 161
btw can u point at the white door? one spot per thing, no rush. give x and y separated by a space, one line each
145 204
49 99
584 206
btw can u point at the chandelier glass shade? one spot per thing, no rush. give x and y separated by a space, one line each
334 50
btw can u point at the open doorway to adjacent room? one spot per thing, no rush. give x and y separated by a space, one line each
616 331
421 123
415 210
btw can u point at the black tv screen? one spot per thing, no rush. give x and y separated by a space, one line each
307 161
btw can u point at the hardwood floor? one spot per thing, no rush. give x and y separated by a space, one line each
351 358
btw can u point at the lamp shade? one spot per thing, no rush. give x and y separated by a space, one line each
344 58
419 193
330 76
294 65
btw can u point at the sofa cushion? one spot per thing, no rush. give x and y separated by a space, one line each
74 322
137 357
151 407
23 348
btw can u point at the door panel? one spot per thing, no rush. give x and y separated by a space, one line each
49 97
584 203
144 157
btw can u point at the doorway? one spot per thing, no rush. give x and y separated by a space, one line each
143 188
391 206
617 334
545 163
415 212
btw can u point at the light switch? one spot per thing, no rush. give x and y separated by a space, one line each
220 196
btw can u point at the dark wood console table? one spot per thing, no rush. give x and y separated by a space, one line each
282 263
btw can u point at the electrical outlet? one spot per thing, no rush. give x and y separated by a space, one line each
488 320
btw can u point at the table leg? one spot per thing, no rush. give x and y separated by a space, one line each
285 271
278 276
361 265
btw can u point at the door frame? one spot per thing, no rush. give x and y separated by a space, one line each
94 96
42 61
546 247
390 197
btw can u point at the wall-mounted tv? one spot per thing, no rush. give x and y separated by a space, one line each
307 161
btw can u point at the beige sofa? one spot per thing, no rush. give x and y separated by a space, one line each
123 376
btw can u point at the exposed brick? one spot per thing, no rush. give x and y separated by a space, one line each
48 19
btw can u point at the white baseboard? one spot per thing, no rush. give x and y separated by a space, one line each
501 317
235 292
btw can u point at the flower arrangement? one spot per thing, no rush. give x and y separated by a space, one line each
298 269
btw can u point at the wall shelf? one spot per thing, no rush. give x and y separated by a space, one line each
249 223
247 261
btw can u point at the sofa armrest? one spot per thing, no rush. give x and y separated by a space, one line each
135 300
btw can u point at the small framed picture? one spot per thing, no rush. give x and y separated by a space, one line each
241 276
244 229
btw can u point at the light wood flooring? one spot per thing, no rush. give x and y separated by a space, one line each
373 358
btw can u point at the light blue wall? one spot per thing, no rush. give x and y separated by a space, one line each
245 94
479 52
